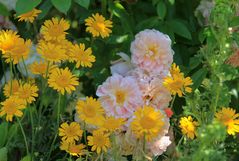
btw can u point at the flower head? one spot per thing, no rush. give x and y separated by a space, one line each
151 51
62 80
13 47
82 56
70 132
29 16
147 122
90 111
112 124
188 126
99 141
12 106
41 68
177 83
73 149
120 96
98 26
7 88
27 92
160 146
51 52
54 29
230 119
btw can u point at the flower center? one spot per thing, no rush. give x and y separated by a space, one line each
89 111
70 132
152 51
99 140
120 97
8 45
62 81
55 30
147 123
100 26
10 108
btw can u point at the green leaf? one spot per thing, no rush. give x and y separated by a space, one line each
120 12
26 158
117 39
45 8
3 133
12 131
3 154
24 6
234 22
3 10
198 77
62 5
83 3
180 29
161 9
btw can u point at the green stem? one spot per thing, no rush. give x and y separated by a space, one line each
103 6
11 76
4 74
33 134
25 67
24 135
58 110
172 102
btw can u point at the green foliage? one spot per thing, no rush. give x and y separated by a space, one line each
3 10
62 5
23 6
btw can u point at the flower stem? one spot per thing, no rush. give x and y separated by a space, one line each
25 67
33 134
24 135
11 76
172 102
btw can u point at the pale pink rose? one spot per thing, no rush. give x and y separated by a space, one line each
119 96
160 146
121 66
152 89
151 51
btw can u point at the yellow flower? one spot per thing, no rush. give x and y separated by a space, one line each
12 106
70 133
7 88
229 118
177 83
83 57
147 123
29 16
62 80
51 52
54 29
27 92
98 26
73 149
99 141
111 123
8 40
188 126
41 68
90 111
13 47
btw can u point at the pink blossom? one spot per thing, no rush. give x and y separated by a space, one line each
120 96
160 146
151 51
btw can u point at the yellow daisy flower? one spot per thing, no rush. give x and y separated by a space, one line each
27 92
83 57
70 133
188 126
230 119
54 29
51 52
62 80
98 26
13 47
90 111
29 16
112 124
73 149
99 141
177 83
8 40
41 68
12 106
147 123
7 88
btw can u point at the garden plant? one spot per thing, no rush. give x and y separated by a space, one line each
118 80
